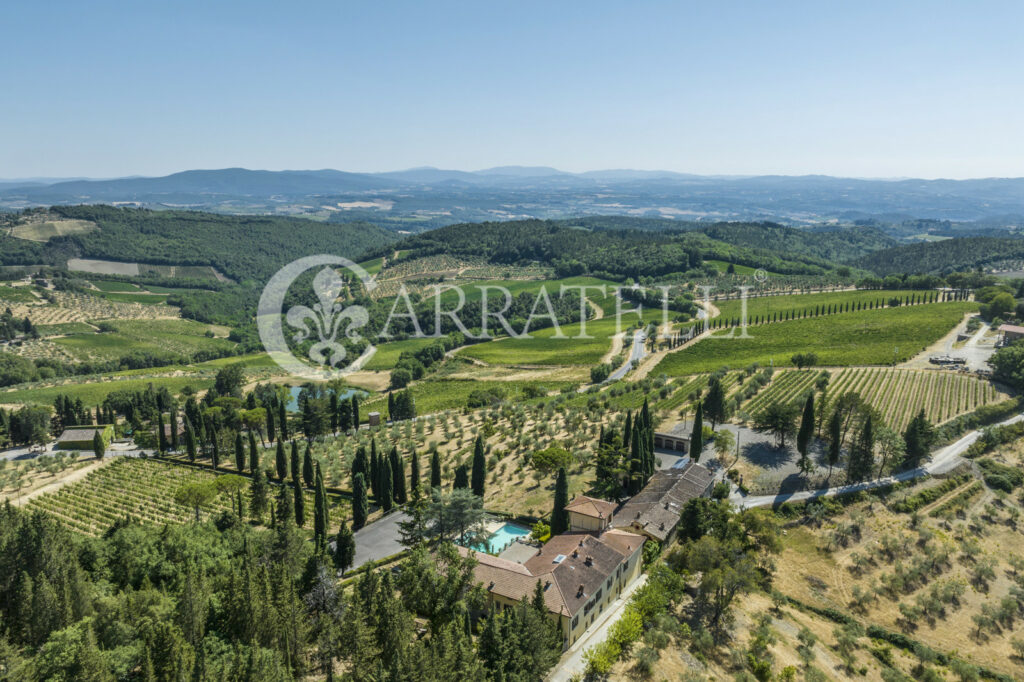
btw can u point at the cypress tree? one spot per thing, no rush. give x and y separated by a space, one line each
414 473
697 434
359 464
391 405
173 420
479 467
215 452
355 411
374 471
332 409
190 441
254 455
803 438
321 522
271 427
862 454
295 470
345 416
398 477
258 489
835 435
307 467
300 500
239 449
387 487
559 515
627 430
435 470
282 420
461 477
360 505
344 547
285 508
281 461
636 466
162 437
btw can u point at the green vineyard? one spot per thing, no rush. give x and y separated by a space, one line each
786 387
140 488
899 394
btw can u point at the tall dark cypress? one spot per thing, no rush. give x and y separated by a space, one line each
215 451
414 473
321 521
332 409
190 440
300 499
374 470
461 477
387 487
271 428
360 505
295 470
173 421
398 477
697 434
344 547
282 420
162 437
281 461
627 430
559 515
254 455
307 467
239 452
355 411
359 463
479 467
435 470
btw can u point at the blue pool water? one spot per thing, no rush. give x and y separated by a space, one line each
502 538
293 402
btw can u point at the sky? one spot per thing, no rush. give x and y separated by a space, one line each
861 89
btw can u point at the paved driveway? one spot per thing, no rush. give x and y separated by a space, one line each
379 539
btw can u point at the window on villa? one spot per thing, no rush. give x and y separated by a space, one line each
575 622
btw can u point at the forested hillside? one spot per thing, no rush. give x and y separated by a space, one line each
833 244
580 247
241 247
943 257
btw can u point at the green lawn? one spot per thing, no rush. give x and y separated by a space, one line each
17 294
372 267
868 337
92 394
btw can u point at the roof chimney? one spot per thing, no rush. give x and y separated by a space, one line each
575 553
589 561
579 592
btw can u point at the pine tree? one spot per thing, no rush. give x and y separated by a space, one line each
697 434
559 515
344 547
479 467
435 470
307 467
360 505
239 449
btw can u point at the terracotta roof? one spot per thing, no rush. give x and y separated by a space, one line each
655 509
591 506
1012 328
572 567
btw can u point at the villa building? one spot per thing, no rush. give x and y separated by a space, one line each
676 439
654 511
590 514
582 575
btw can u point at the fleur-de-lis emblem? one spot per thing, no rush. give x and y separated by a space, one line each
326 318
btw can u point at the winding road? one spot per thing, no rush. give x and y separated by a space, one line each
942 460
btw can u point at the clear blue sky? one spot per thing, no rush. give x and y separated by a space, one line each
881 89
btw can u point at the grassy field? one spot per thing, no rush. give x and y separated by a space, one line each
437 395
798 303
867 337
92 394
65 328
17 295
41 231
177 336
112 286
372 266
387 353
126 297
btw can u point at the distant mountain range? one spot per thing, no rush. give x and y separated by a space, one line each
421 198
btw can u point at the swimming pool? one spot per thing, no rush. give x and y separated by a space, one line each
502 538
